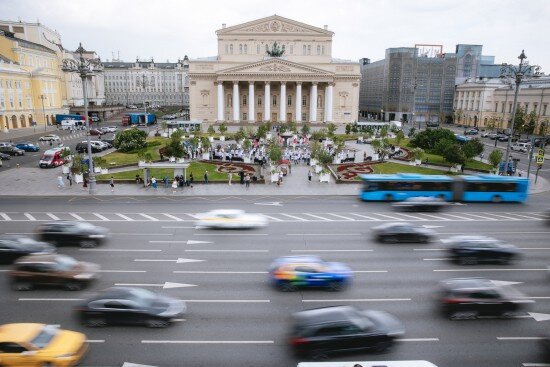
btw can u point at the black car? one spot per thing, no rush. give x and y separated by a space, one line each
11 150
5 157
468 298
13 247
321 331
421 203
128 305
467 250
402 232
83 148
71 233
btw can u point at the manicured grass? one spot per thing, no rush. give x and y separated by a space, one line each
196 168
129 158
391 167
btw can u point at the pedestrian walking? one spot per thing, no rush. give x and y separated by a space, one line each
229 177
70 179
281 177
191 180
309 176
206 177
241 176
112 184
174 186
60 183
165 181
247 180
154 183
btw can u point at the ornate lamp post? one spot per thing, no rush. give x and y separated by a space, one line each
516 74
143 83
42 98
85 69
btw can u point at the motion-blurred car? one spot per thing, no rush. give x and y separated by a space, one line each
72 233
13 247
128 305
467 250
421 203
230 219
4 156
83 148
52 270
29 344
492 136
468 298
50 137
27 147
11 150
95 132
402 232
322 331
289 273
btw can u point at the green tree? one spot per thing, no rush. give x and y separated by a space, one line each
348 129
274 152
222 128
354 128
495 157
331 129
318 135
262 131
305 129
418 153
205 142
412 131
324 158
240 134
519 120
530 123
399 137
291 125
247 144
211 130
130 140
472 148
454 155
428 139
384 131
442 145
543 128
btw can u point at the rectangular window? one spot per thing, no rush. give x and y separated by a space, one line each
544 109
245 116
304 101
304 116
259 101
289 100
496 106
274 102
526 107
244 100
510 107
535 107
502 107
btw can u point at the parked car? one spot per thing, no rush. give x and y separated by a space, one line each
230 219
471 132
71 233
319 332
52 270
486 134
468 298
95 132
128 305
50 137
29 344
53 158
11 150
5 157
521 147
27 147
492 136
95 118
421 203
83 148
402 232
99 145
12 247
539 142
288 273
469 250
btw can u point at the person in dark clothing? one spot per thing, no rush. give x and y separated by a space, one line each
191 180
241 176
205 177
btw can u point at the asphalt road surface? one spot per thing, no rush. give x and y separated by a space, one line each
235 318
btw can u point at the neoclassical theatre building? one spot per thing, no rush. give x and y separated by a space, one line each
274 69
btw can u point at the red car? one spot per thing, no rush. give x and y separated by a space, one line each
95 132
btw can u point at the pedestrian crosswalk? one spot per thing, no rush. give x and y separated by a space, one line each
278 217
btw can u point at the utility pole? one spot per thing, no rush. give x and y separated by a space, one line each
42 98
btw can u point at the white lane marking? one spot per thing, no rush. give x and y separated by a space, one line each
122 271
272 218
177 219
318 217
481 217
519 338
538 297
534 248
101 217
227 300
194 216
509 317
535 364
458 216
148 217
501 216
143 234
358 300
30 217
226 250
176 227
368 271
366 217
501 232
230 234
389 216
341 216
429 249
95 340
117 250
192 242
434 217
53 216
331 250
178 320
324 234
167 241
537 214
294 217
52 299
413 217
76 216
165 285
207 342
218 272
124 217
439 259
479 269
524 216
418 340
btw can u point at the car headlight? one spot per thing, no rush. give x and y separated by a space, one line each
83 276
96 236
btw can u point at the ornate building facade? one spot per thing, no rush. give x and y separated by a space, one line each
274 69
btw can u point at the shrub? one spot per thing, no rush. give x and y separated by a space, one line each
428 139
130 140
495 157
211 130
472 148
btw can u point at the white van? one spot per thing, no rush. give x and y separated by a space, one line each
521 147
68 124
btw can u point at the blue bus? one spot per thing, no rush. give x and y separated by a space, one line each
475 188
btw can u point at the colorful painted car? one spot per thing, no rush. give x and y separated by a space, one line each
289 273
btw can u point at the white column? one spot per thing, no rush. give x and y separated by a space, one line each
236 101
220 101
313 103
251 102
282 106
267 99
329 102
299 101
325 114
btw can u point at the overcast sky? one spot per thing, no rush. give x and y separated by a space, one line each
169 29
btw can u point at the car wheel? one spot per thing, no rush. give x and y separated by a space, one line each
463 315
468 260
157 323
88 244
96 322
496 199
426 239
21 286
73 286
287 287
335 286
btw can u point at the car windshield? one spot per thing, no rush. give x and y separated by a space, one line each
84 225
47 157
142 297
44 337
65 263
359 319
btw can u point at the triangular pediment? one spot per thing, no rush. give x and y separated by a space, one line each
275 25
274 66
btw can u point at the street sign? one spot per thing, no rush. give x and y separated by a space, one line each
541 152
540 160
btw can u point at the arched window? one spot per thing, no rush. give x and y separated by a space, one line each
319 101
245 49
318 50
240 48
289 100
322 50
304 50
231 48
309 49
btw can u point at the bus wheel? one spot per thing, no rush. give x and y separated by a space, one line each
496 199
389 197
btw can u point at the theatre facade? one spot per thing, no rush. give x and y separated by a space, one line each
274 69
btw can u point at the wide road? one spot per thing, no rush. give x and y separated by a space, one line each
235 318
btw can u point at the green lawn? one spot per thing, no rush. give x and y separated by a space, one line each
196 168
390 167
120 158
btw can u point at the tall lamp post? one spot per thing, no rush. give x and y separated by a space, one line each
143 83
85 69
42 98
516 74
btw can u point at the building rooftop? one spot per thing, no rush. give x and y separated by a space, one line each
26 44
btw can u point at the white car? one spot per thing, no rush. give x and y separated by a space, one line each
49 138
230 218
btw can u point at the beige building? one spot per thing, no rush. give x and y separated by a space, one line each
274 69
487 102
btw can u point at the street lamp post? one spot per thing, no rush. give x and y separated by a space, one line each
517 74
143 83
42 98
85 68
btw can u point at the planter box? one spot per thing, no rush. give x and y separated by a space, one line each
206 156
274 177
413 163
318 169
78 178
222 138
165 135
247 160
268 136
418 162
104 171
181 160
312 162
97 169
66 169
325 177
211 139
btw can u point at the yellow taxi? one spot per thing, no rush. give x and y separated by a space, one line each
27 344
